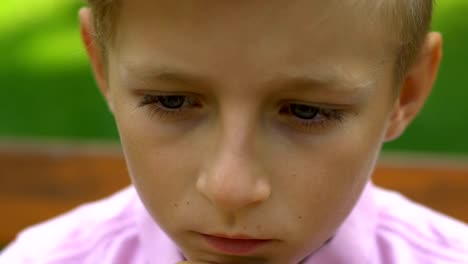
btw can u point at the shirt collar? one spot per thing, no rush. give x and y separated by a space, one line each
156 245
354 241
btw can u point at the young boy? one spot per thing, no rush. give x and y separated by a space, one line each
250 131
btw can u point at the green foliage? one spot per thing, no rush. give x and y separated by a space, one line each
47 90
46 87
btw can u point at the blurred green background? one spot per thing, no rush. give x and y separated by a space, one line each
47 91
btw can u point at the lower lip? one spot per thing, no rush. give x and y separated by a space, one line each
235 246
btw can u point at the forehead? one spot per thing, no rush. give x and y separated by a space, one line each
254 37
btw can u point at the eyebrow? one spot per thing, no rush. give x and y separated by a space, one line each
137 76
330 83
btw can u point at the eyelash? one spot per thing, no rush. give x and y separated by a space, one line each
325 116
157 109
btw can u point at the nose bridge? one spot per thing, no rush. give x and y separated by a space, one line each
238 130
239 121
234 178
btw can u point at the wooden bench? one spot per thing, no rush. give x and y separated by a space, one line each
41 181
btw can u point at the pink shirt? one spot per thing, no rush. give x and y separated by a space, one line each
383 228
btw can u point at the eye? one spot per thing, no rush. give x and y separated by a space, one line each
172 101
170 106
309 118
304 111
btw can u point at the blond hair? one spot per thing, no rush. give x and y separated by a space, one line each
412 19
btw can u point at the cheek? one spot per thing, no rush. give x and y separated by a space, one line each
326 179
160 171
329 182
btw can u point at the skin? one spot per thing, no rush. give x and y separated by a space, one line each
235 162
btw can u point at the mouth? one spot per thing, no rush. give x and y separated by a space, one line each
239 245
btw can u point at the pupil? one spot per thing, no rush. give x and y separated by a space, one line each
172 102
304 111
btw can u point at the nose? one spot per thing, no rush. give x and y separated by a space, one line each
233 182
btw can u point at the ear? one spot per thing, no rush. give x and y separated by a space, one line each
94 53
416 87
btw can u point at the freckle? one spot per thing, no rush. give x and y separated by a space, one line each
245 227
258 227
188 203
300 217
176 205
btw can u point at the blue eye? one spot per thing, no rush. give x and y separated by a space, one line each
309 118
304 111
174 106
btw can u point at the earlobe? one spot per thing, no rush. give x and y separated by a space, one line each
416 86
94 52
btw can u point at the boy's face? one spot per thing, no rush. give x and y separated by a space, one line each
254 118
